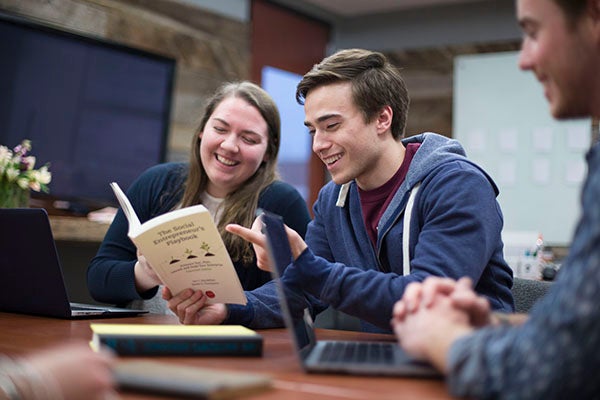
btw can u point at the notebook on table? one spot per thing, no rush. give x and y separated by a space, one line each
31 278
329 356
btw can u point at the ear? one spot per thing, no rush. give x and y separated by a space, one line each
593 13
384 119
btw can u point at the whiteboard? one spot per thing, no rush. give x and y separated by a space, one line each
503 120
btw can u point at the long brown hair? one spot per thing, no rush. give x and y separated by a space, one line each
239 206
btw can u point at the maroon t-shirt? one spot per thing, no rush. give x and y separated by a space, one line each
374 202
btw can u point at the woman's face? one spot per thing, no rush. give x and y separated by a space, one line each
233 146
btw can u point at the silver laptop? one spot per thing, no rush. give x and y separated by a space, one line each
328 356
31 279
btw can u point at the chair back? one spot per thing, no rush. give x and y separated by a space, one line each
527 291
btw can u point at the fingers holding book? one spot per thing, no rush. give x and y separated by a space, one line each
191 307
145 276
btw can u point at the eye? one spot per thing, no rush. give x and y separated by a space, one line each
529 30
529 34
220 129
249 140
333 126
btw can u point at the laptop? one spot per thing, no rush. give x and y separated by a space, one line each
31 278
330 356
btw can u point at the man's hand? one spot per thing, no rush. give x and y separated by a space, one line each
460 293
427 332
259 241
257 238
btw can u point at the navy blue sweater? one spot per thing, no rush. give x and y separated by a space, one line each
455 231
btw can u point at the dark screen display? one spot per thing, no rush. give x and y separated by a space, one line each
96 111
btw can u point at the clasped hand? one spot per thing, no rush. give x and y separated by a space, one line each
431 315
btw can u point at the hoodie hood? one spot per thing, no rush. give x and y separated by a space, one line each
435 150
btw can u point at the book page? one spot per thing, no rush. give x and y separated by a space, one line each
171 330
132 218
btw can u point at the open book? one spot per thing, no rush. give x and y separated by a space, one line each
185 250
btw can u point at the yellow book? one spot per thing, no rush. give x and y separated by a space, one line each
188 340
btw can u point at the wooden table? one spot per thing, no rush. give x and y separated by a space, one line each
22 333
77 229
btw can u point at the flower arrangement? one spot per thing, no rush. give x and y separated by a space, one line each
18 176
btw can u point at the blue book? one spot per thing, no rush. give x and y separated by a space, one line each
177 340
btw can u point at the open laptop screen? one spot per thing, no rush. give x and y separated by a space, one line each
291 298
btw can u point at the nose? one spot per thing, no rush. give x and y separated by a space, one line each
320 142
229 143
525 56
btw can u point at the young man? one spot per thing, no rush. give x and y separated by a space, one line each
554 352
396 211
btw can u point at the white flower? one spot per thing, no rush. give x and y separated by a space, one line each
17 167
12 174
33 185
5 154
5 158
42 175
23 183
29 161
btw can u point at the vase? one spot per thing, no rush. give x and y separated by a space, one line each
12 196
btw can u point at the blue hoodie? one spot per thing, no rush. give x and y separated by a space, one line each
455 231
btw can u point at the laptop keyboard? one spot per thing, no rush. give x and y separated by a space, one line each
361 352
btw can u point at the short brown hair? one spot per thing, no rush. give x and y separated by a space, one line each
376 83
573 9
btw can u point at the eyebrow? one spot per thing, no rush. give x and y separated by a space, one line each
526 21
322 118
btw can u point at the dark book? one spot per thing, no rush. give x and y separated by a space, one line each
187 381
177 340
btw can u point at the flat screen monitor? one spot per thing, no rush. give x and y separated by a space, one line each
95 110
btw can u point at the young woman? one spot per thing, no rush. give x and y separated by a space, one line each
232 171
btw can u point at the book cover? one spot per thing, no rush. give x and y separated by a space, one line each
185 250
180 340
164 378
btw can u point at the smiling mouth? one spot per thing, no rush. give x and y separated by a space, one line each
331 160
226 161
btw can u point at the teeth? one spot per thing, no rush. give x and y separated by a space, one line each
333 159
226 161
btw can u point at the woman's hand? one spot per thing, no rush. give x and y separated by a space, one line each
191 308
145 276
